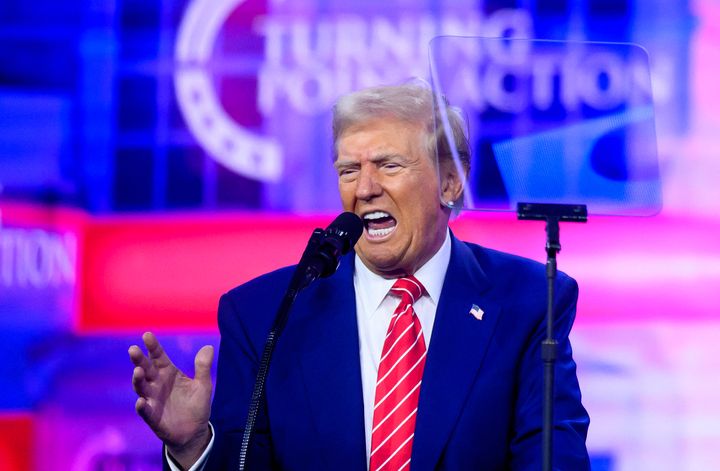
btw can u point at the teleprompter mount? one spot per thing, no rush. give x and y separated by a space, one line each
552 214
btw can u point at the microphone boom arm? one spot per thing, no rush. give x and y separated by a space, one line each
320 258
302 277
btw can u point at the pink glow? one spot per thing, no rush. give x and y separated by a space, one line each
169 271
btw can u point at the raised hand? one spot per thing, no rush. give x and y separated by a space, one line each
176 407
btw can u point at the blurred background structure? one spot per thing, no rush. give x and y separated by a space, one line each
155 154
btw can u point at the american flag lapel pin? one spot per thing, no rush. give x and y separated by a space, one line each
476 312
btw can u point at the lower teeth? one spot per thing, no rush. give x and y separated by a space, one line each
380 232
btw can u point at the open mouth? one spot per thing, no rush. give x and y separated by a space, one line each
378 224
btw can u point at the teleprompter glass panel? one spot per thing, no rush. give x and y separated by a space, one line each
550 122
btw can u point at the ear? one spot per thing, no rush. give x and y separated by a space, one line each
452 179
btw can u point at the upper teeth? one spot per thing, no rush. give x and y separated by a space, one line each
376 215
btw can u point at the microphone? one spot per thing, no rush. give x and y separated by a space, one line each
320 259
340 236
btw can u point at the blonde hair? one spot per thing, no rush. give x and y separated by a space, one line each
410 102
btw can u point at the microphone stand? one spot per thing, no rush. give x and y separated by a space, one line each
305 273
321 258
552 214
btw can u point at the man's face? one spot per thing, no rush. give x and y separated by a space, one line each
387 178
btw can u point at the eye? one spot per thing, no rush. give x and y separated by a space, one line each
391 166
347 173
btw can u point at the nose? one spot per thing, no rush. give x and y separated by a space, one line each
368 186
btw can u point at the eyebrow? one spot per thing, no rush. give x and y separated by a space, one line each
380 158
386 157
338 164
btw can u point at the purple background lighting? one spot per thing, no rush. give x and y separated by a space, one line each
125 124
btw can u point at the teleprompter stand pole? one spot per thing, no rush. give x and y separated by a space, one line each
552 214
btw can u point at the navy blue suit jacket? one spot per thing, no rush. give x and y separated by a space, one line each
480 403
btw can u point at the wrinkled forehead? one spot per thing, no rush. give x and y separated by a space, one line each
383 134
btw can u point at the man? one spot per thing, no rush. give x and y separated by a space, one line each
422 352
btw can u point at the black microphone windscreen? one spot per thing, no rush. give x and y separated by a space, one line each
347 227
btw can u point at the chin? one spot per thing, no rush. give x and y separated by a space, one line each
379 263
382 263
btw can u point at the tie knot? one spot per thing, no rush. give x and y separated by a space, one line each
408 288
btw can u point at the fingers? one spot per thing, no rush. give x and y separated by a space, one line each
146 399
143 408
139 359
153 346
142 366
145 366
140 405
203 363
156 352
139 382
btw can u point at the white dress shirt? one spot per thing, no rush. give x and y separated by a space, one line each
374 310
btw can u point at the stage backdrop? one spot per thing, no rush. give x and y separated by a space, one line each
155 154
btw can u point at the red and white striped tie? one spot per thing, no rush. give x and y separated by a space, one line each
398 382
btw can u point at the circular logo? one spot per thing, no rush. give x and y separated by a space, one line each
235 147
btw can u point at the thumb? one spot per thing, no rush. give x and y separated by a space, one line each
203 362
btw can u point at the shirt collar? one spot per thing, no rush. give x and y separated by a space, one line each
432 274
374 287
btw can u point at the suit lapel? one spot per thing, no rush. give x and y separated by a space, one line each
457 348
331 369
